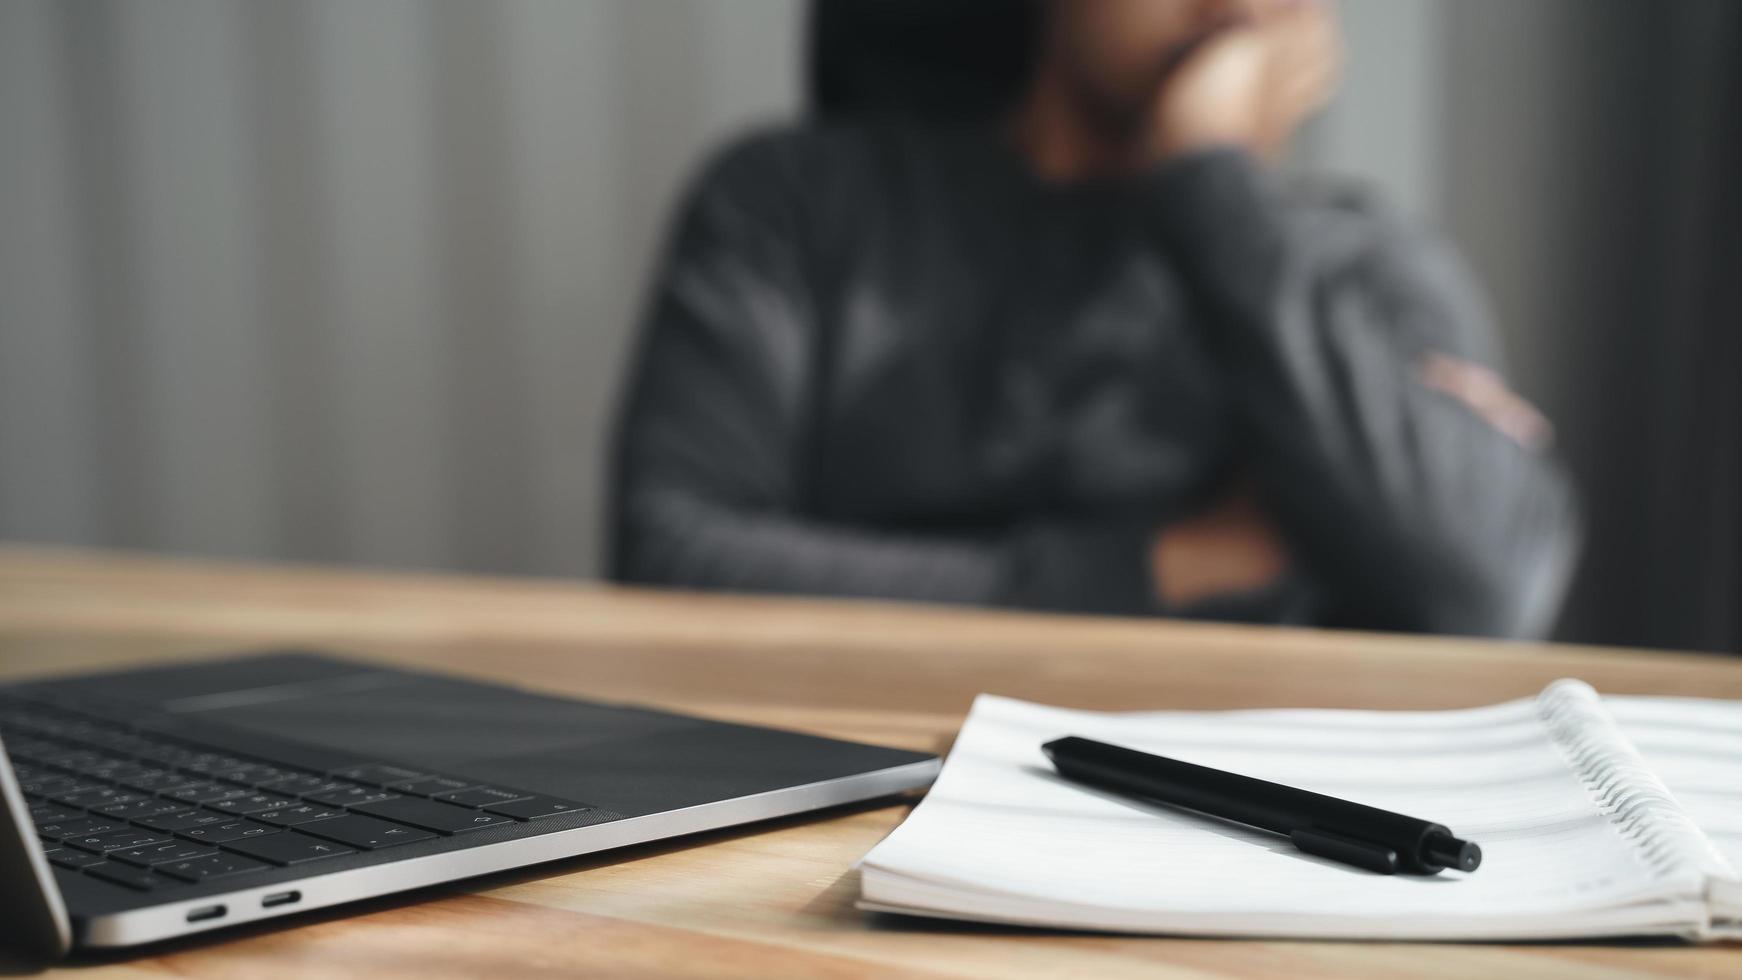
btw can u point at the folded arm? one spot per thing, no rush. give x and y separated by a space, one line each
1413 502
711 477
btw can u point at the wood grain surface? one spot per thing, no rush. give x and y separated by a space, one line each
774 899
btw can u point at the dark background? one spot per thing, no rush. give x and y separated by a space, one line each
352 282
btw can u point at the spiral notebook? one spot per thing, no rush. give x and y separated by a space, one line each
1597 816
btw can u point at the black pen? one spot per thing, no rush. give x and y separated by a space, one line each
1363 836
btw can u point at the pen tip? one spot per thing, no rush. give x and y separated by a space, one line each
1469 857
1447 851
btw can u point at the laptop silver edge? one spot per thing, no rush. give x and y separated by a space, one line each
321 891
36 918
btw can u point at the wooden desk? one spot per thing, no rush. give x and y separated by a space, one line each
776 900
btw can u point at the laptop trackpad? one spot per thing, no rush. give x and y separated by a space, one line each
436 723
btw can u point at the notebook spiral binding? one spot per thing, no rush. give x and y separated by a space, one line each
1624 786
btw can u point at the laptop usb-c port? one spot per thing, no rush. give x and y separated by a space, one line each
281 898
206 914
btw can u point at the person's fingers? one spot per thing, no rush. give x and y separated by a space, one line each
1250 82
1310 60
1309 87
1305 66
1486 393
1301 90
1300 35
1234 60
1308 52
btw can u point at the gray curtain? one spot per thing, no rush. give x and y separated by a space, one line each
342 280
1688 341
1594 150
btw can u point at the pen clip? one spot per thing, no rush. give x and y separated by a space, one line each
1349 850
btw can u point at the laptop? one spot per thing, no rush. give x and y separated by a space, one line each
154 803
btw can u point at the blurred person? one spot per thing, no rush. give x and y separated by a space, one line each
1096 357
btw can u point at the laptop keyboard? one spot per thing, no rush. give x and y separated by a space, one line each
149 813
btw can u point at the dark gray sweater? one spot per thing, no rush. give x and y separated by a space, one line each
892 362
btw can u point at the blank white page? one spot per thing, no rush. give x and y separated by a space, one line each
1001 827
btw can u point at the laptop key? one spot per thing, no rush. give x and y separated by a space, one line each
353 796
443 818
101 796
364 833
62 757
290 816
158 780
289 848
249 804
176 822
66 857
27 751
378 775
80 827
43 813
481 796
148 807
536 808
211 866
429 786
138 879
132 770
207 792
170 755
208 763
252 774
300 783
152 854
115 840
46 784
222 833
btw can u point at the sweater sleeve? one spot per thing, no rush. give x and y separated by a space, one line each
710 463
1408 508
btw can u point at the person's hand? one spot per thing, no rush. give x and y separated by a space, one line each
1251 82
1483 390
1229 548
